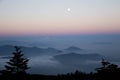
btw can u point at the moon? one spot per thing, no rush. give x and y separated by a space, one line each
68 9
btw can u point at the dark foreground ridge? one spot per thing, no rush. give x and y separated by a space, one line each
16 68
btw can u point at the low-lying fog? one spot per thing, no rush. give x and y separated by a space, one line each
55 60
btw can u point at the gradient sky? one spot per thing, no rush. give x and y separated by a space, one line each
28 17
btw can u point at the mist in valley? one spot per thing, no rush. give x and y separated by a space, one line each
52 54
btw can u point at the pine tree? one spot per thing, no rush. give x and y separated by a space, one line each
17 63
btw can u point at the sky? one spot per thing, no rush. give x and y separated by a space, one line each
51 17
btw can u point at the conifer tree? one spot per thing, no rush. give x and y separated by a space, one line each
17 63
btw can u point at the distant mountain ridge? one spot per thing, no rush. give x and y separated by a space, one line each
75 57
85 62
8 49
73 48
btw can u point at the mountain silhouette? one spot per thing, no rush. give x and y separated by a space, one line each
73 48
7 49
78 57
79 61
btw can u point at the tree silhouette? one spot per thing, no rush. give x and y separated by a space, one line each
105 65
17 64
108 71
